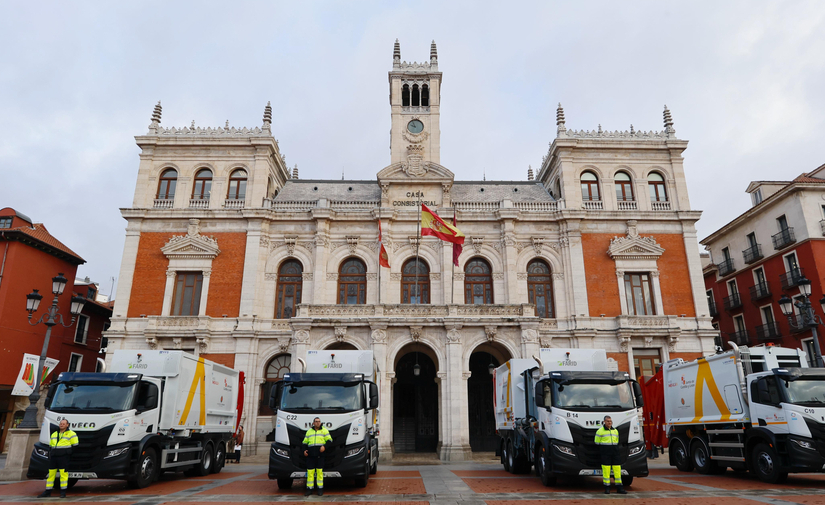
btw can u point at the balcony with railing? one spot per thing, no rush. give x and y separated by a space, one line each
659 205
798 325
791 279
199 203
740 337
733 301
822 226
783 239
712 308
593 205
769 331
294 206
163 203
752 254
627 205
726 267
234 203
760 291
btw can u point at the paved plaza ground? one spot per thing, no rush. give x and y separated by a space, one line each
477 483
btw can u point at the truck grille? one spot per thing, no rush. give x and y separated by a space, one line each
334 453
90 448
586 448
818 434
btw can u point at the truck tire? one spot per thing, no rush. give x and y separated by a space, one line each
363 481
206 463
543 469
511 458
72 482
627 480
284 483
700 457
766 464
147 469
505 455
680 454
220 458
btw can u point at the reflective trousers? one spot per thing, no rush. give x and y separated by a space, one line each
617 474
315 465
64 478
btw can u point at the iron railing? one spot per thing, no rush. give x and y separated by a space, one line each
759 291
752 254
769 331
791 279
726 267
783 239
733 301
740 337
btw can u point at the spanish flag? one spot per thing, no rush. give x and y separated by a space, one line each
383 259
433 225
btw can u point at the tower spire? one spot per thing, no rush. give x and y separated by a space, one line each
396 54
529 172
668 119
268 115
153 126
433 54
295 172
561 129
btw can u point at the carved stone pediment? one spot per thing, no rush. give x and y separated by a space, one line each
416 170
193 245
634 246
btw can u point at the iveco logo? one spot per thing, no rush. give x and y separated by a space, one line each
310 425
76 425
593 423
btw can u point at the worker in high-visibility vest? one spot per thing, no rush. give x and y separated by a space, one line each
607 438
314 443
61 444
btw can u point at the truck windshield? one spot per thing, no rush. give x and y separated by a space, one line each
806 391
592 396
93 397
337 397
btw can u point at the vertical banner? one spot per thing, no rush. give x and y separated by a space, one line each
24 386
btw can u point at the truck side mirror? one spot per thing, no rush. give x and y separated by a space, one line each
274 395
152 399
540 394
764 394
373 403
637 392
50 395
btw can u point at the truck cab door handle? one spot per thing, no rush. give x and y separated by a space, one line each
762 422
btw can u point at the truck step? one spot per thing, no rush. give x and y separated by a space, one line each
727 458
735 431
726 444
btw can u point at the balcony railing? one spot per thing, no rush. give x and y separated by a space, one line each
752 254
791 279
345 205
476 206
296 206
769 331
726 267
199 203
592 205
783 239
234 203
733 301
660 205
759 291
539 206
822 226
740 337
627 205
712 307
798 325
163 203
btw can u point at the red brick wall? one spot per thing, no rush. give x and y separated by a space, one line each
221 359
687 356
603 289
621 359
224 285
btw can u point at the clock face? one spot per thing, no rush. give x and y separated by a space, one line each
415 126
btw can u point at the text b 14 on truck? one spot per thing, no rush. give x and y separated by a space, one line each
154 411
759 409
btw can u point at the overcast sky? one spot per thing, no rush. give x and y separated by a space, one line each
78 80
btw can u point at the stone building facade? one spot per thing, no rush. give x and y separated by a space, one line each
232 256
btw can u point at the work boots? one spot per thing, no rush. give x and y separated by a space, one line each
307 491
607 490
320 491
620 489
62 493
45 494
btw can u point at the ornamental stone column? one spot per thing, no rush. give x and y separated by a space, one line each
321 215
456 447
529 340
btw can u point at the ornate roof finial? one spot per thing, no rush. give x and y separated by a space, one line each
433 53
529 172
268 115
156 114
485 174
668 123
560 128
295 172
600 129
396 54
632 130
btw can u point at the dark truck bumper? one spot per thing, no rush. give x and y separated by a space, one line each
633 466
803 459
283 467
85 465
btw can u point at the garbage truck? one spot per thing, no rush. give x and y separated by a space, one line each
757 408
340 387
549 408
153 411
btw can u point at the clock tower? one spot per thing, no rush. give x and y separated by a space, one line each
415 99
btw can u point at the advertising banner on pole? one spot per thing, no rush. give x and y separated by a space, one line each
25 379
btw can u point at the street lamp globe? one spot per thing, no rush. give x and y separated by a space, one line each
805 286
786 305
59 284
77 305
33 301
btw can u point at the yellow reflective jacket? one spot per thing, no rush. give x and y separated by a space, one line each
63 442
607 437
315 437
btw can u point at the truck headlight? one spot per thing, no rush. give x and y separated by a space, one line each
354 452
564 449
803 444
116 452
636 450
41 452
281 452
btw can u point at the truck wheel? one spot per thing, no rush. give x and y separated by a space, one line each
505 456
72 482
511 458
147 469
284 483
206 463
680 454
766 465
543 469
220 458
627 480
363 481
374 467
701 458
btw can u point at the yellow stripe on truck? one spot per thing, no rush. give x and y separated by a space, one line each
199 378
704 374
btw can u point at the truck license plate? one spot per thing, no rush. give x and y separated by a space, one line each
598 472
82 475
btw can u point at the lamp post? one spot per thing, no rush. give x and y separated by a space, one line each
50 318
808 319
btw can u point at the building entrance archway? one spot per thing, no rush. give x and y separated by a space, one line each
341 346
415 402
482 423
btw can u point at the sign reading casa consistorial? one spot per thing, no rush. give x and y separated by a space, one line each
231 256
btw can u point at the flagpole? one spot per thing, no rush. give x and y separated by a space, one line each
380 243
417 246
452 262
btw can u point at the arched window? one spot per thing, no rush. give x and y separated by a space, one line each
166 186
275 370
590 187
237 185
425 96
478 282
352 282
656 183
540 288
288 292
416 96
408 284
405 95
202 187
624 187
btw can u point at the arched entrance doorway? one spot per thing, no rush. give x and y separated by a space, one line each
341 346
482 423
415 401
